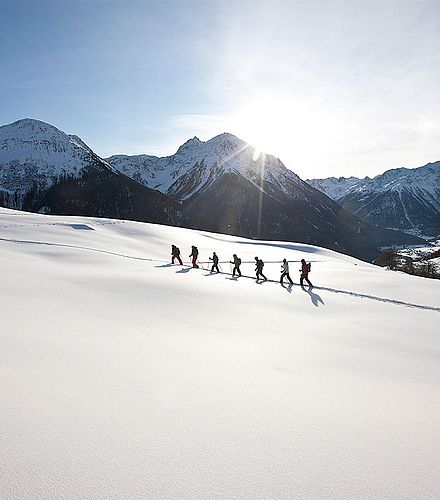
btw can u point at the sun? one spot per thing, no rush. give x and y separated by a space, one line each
265 122
290 130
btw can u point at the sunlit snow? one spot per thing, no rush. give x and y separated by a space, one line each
125 377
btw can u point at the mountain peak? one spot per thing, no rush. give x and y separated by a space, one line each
190 143
227 139
29 129
32 130
224 141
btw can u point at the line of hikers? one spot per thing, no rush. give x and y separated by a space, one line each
259 264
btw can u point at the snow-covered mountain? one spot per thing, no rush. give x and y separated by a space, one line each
335 187
124 377
226 186
219 185
402 198
197 165
44 169
36 154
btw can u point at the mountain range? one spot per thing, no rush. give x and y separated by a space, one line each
220 185
401 198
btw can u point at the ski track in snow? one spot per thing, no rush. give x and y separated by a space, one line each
315 301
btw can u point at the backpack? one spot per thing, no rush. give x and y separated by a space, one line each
238 262
309 267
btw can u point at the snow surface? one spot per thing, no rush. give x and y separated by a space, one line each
125 377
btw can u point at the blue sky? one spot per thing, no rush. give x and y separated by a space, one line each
331 88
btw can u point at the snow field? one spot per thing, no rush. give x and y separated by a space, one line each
128 378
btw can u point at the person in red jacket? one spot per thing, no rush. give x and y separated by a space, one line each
304 273
175 254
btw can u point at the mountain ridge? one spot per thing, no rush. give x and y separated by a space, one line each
402 198
43 169
218 185
220 154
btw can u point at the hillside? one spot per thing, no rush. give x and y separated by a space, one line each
126 377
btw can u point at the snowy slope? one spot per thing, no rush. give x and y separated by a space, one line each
125 377
197 164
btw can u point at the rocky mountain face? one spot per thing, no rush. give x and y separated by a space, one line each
220 185
42 169
402 198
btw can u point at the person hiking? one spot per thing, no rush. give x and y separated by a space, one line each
304 273
285 272
175 254
259 268
237 264
214 259
194 254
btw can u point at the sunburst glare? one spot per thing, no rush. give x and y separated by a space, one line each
284 128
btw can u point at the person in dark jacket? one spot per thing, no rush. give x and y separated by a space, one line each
214 259
259 264
285 272
175 254
304 273
194 254
237 264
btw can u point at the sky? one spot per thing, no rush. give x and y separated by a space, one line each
332 88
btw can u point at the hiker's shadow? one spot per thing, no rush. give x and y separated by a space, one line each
314 297
232 278
166 265
184 270
287 287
